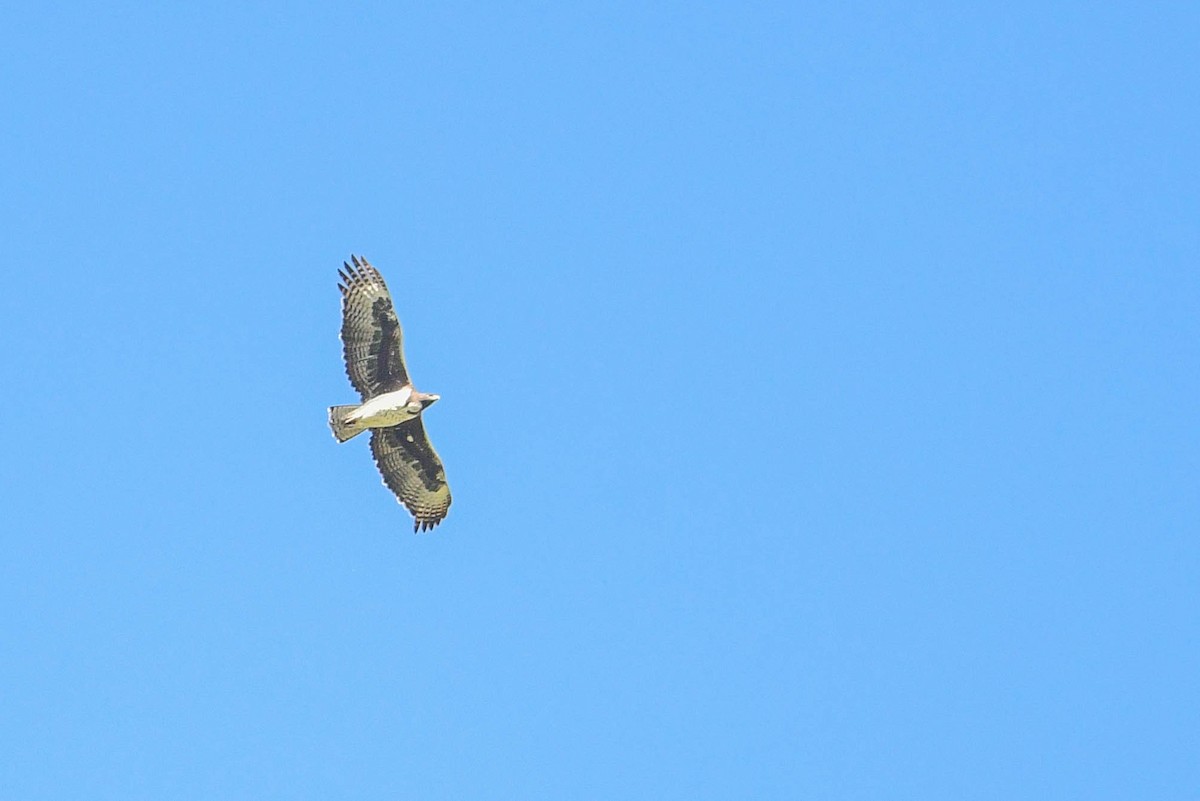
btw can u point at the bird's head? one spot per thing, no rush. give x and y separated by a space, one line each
420 401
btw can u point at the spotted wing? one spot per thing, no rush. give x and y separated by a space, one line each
412 470
371 337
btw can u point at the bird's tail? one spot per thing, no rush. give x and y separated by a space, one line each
342 430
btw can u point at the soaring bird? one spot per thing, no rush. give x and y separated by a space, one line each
391 406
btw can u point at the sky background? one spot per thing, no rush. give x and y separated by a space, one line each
819 389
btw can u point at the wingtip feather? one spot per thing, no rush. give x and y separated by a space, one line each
424 525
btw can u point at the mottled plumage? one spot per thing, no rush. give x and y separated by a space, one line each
411 469
391 407
372 342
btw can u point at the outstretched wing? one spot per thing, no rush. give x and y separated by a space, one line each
412 470
371 337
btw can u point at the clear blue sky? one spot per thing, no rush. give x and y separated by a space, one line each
819 390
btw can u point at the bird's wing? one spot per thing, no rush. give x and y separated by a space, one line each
412 470
371 336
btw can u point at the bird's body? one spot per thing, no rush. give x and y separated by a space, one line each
382 411
391 406
388 409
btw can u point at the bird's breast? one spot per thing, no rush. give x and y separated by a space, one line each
388 409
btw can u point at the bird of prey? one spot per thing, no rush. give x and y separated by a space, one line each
391 406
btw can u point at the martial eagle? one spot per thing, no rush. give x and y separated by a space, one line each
392 406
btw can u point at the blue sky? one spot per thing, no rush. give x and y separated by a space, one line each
819 399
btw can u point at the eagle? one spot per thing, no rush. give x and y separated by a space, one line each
391 407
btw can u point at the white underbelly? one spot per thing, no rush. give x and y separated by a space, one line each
388 409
